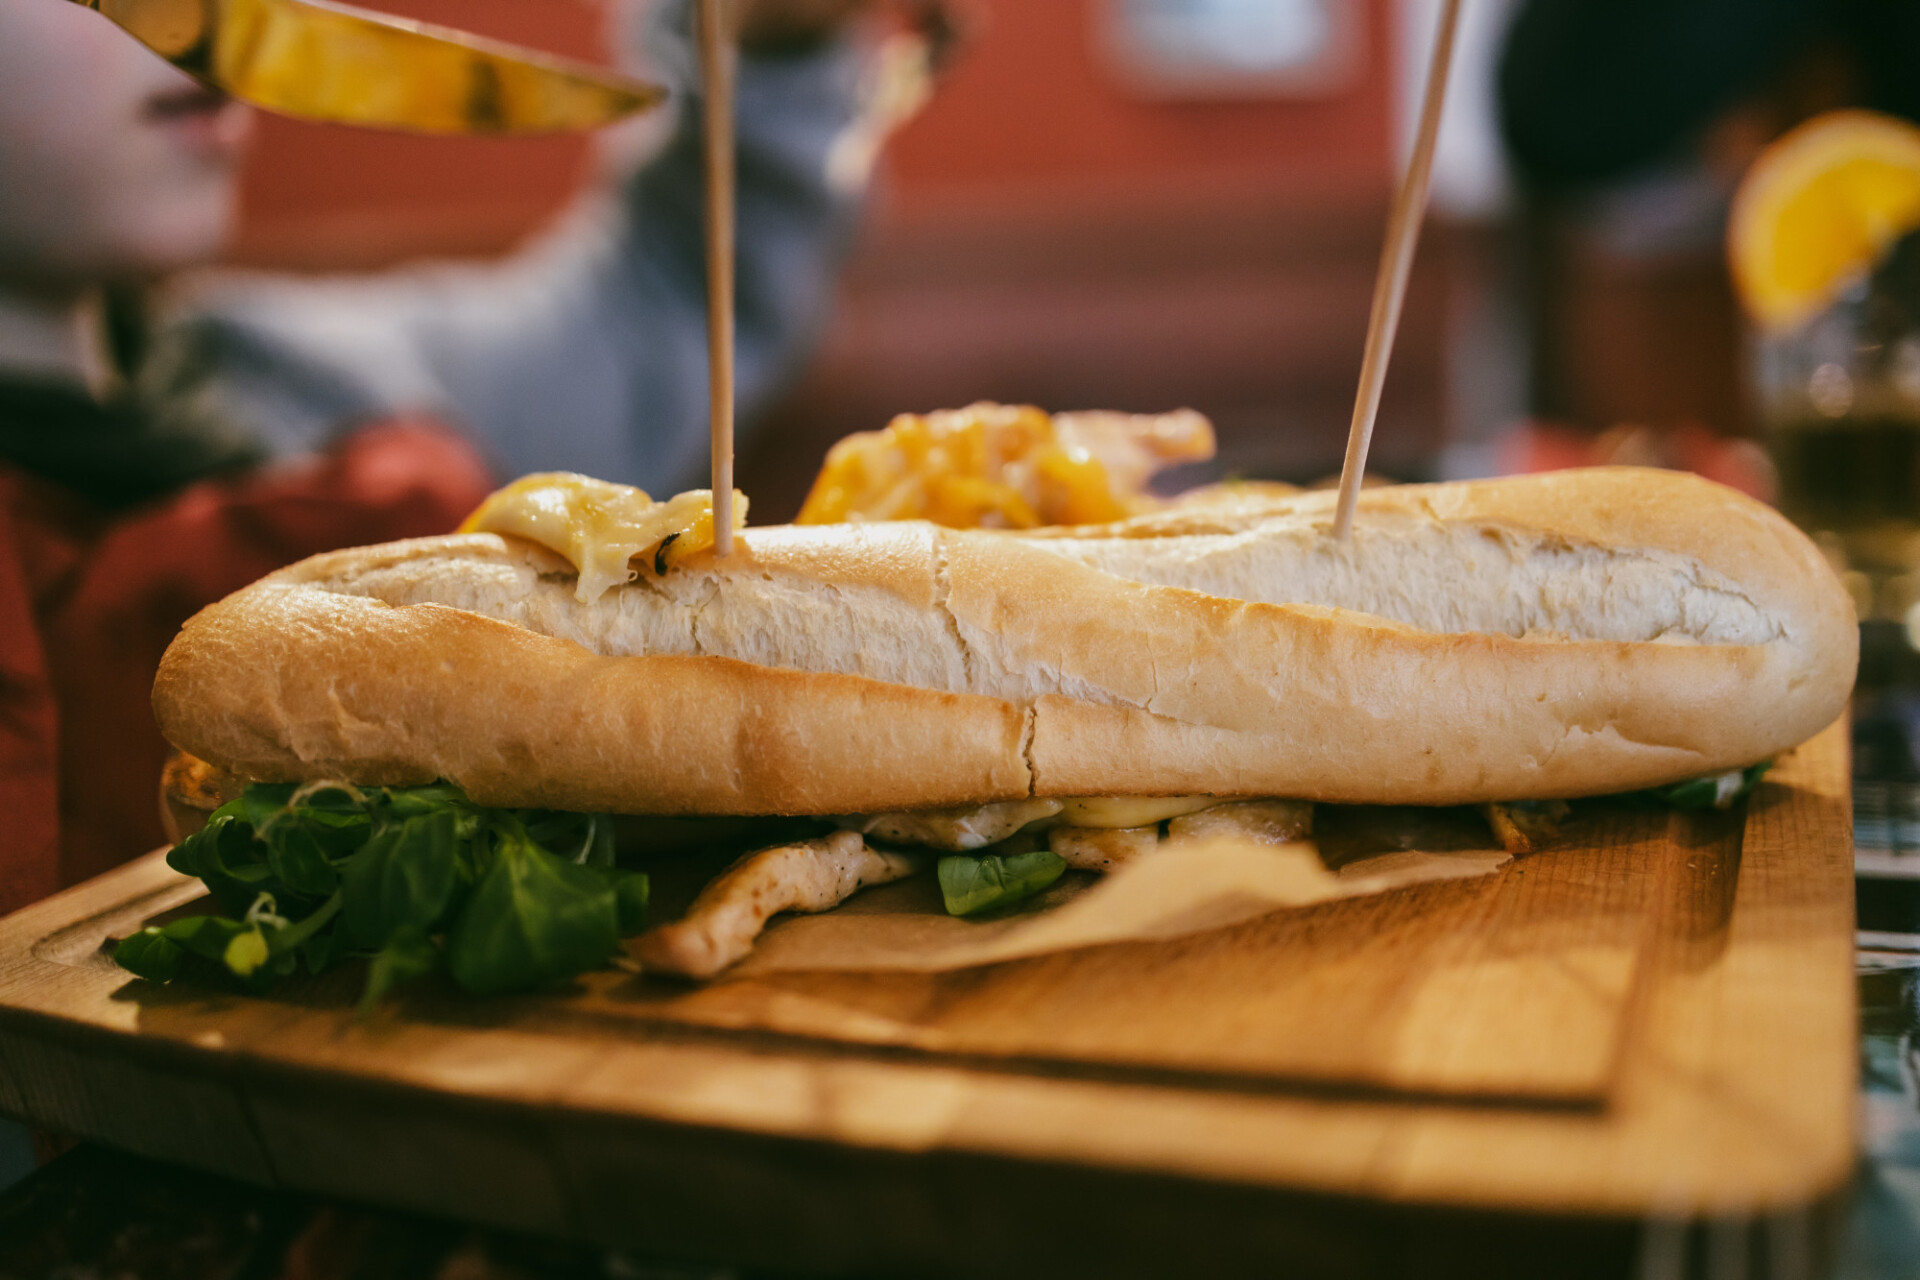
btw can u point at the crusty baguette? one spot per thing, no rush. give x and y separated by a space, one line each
1540 637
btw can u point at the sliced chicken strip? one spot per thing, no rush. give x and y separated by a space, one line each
1267 821
1101 848
956 830
730 913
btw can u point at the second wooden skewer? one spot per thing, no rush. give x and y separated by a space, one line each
716 76
1396 263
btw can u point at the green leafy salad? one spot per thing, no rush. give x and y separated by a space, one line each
418 880
421 880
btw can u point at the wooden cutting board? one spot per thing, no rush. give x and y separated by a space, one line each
1656 1016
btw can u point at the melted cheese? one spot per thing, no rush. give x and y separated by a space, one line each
1130 811
977 826
600 527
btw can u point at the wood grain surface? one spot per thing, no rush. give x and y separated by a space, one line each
1655 1017
1515 986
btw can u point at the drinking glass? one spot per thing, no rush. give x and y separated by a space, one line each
1839 400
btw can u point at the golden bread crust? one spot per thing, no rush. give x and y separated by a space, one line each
1540 637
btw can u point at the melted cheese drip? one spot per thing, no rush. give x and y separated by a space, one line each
600 527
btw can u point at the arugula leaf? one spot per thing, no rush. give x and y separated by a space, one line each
225 856
205 936
1714 791
295 856
261 803
532 919
408 954
331 816
410 802
972 883
403 879
300 936
418 879
585 838
631 890
149 954
599 850
321 950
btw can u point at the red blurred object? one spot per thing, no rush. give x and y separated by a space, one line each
90 599
1737 463
1030 116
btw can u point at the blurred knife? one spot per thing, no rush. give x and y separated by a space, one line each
319 60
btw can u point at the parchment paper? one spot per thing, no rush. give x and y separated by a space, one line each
902 926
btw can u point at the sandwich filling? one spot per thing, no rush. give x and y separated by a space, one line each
419 880
1153 617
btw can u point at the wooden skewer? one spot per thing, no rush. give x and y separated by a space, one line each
1396 263
716 74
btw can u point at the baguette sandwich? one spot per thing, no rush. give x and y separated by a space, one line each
1011 703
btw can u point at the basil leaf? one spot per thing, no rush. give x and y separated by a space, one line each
225 855
322 949
533 918
330 804
403 879
149 954
300 934
262 802
413 801
1715 791
408 954
631 890
972 883
600 852
295 856
201 850
585 838
206 936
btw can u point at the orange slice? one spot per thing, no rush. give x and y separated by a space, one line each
1819 209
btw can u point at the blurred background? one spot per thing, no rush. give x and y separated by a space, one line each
1119 204
1148 204
1144 204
